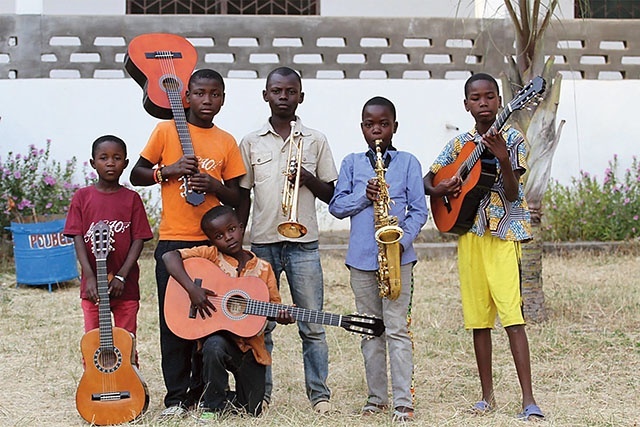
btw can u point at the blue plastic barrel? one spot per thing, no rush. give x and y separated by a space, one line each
42 254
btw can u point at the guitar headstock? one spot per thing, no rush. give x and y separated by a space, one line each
101 239
363 324
527 94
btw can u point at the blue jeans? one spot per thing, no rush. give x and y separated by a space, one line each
301 264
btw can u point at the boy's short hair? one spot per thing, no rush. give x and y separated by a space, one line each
206 74
381 101
215 212
284 71
105 138
480 76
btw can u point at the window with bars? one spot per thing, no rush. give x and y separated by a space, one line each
607 9
223 7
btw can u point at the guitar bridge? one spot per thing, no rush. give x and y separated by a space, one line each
111 396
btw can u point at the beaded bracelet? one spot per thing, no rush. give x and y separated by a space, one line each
157 175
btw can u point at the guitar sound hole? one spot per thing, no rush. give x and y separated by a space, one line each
236 305
169 83
107 360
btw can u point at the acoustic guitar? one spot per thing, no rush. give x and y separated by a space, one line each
242 304
162 64
456 214
111 390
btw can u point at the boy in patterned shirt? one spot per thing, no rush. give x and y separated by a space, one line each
489 253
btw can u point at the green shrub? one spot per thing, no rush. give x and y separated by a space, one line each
34 187
588 209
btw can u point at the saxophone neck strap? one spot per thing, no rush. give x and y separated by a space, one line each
371 155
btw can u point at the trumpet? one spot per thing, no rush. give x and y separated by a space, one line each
292 228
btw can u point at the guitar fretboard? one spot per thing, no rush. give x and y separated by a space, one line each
268 309
467 165
104 307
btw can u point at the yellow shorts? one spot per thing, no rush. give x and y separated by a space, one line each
489 270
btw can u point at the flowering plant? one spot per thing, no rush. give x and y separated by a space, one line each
34 185
590 209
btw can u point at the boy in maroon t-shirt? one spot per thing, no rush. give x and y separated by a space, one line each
123 210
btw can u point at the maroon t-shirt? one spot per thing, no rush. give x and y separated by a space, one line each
125 214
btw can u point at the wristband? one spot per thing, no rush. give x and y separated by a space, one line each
119 277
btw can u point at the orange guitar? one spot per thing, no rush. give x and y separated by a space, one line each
111 390
162 65
241 306
456 214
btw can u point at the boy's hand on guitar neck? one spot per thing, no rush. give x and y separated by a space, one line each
204 183
187 165
284 317
496 144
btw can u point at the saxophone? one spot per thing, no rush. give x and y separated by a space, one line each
387 235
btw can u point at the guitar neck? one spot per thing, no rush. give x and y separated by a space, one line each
104 306
180 119
497 125
268 309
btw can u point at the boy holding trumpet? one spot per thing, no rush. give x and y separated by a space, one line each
288 167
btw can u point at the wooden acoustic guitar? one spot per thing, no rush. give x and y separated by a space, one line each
456 214
111 390
162 64
242 304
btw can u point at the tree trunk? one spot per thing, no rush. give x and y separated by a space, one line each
539 126
532 292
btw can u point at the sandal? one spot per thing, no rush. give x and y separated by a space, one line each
481 407
529 411
373 408
403 414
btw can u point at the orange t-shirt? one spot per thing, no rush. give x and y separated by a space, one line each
255 267
218 155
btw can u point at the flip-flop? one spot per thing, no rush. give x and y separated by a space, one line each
481 407
531 410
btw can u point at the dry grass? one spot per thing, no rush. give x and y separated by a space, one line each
586 359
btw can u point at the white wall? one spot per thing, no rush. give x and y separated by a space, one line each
435 8
601 116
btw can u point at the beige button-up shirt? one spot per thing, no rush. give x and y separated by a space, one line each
265 156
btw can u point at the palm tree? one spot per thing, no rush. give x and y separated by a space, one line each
531 19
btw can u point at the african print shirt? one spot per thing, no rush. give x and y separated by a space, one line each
504 219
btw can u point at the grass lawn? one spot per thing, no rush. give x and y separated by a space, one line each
585 359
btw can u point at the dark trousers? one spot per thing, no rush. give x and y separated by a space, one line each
221 355
181 363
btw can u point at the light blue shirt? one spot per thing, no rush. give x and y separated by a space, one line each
404 177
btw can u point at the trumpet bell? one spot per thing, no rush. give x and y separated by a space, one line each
292 229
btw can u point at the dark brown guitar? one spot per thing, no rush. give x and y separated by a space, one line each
242 304
111 390
162 64
456 214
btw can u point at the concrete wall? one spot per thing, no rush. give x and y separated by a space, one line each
41 46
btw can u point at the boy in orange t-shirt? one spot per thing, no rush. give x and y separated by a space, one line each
213 169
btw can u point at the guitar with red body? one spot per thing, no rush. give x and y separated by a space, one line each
242 303
162 64
111 390
456 214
